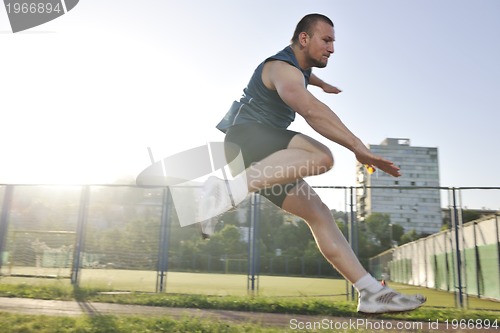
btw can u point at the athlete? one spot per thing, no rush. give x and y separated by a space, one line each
277 159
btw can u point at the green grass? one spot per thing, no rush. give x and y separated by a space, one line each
292 305
121 324
194 283
332 290
274 304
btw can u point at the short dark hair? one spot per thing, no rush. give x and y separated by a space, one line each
307 23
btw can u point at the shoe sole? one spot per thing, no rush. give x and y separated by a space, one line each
389 311
394 311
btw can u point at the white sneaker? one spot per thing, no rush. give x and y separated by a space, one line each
218 196
388 300
214 200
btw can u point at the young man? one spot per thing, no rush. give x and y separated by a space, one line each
277 160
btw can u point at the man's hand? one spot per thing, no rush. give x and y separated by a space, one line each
328 88
373 161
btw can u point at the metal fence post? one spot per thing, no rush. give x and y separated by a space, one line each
457 249
478 261
347 233
161 279
425 265
498 246
353 235
253 251
4 220
80 236
465 284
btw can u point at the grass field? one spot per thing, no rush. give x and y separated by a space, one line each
236 285
285 295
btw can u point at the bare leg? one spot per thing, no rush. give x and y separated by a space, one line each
303 157
302 201
306 157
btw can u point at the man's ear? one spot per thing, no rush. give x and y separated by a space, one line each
303 38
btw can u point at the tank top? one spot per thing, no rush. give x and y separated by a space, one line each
260 104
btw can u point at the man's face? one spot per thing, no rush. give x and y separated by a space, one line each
320 45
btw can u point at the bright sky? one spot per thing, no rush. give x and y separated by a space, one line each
84 95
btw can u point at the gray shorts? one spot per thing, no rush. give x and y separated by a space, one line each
258 141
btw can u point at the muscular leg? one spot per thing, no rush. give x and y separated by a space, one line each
303 157
373 297
302 201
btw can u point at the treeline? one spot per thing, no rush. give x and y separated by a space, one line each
122 230
285 243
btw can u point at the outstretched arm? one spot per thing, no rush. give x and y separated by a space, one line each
328 88
289 83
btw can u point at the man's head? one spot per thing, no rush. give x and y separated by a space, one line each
314 36
307 24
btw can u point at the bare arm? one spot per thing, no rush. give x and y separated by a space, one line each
328 88
289 83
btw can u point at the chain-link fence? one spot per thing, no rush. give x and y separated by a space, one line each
128 238
463 260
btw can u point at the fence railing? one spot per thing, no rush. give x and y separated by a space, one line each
76 231
466 265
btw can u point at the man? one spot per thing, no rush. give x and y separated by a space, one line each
277 160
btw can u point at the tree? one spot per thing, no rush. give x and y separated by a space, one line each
382 231
226 242
397 232
470 215
312 252
367 246
410 236
378 225
293 237
231 240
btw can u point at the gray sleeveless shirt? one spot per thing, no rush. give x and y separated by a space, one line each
260 104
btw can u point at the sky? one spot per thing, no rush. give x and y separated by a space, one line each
83 96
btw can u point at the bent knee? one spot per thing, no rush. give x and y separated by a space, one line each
319 213
324 162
